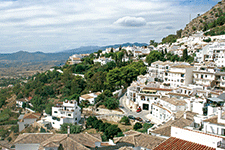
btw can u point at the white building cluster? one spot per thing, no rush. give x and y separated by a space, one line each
62 112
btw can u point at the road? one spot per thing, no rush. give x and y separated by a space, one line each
127 111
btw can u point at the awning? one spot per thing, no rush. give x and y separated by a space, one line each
145 90
214 99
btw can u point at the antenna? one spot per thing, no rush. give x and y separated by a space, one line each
190 18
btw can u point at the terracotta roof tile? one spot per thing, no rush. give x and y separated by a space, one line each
174 143
174 101
142 140
32 116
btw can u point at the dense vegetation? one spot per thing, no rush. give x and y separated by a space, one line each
164 56
51 85
4 94
109 130
216 26
7 81
73 128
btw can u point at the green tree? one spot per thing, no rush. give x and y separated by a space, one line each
111 131
120 48
104 126
179 32
24 105
9 139
125 120
111 50
48 108
112 103
73 128
90 120
137 126
96 124
153 56
185 54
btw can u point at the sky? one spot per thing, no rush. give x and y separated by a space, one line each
57 25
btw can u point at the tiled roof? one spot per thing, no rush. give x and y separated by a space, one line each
98 93
178 122
182 66
142 140
126 148
174 143
32 138
214 120
131 132
158 105
87 96
32 116
178 94
68 141
157 89
76 58
174 101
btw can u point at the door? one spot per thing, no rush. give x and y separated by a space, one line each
145 106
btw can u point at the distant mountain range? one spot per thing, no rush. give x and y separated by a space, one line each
91 49
23 56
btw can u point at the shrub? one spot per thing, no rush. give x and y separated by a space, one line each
137 126
125 120
9 139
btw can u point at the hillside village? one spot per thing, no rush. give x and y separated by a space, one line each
167 95
176 98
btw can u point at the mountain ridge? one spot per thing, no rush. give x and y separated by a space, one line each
24 56
199 23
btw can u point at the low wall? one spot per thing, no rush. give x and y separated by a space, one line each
107 111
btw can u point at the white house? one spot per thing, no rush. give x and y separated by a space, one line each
68 112
201 138
27 119
158 68
103 60
89 97
204 74
179 75
220 80
215 124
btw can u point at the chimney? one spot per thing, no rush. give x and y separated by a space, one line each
173 116
68 129
219 114
185 115
207 94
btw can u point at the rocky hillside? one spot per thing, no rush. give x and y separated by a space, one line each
201 21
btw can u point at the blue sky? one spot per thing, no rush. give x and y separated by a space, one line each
56 25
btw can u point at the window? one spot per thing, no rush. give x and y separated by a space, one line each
55 112
69 114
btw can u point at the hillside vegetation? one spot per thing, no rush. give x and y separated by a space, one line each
211 19
48 87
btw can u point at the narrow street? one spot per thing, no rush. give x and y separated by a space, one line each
127 111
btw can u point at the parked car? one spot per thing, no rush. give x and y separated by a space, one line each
148 121
131 117
138 110
139 119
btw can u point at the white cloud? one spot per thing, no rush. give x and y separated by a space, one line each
131 21
55 25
